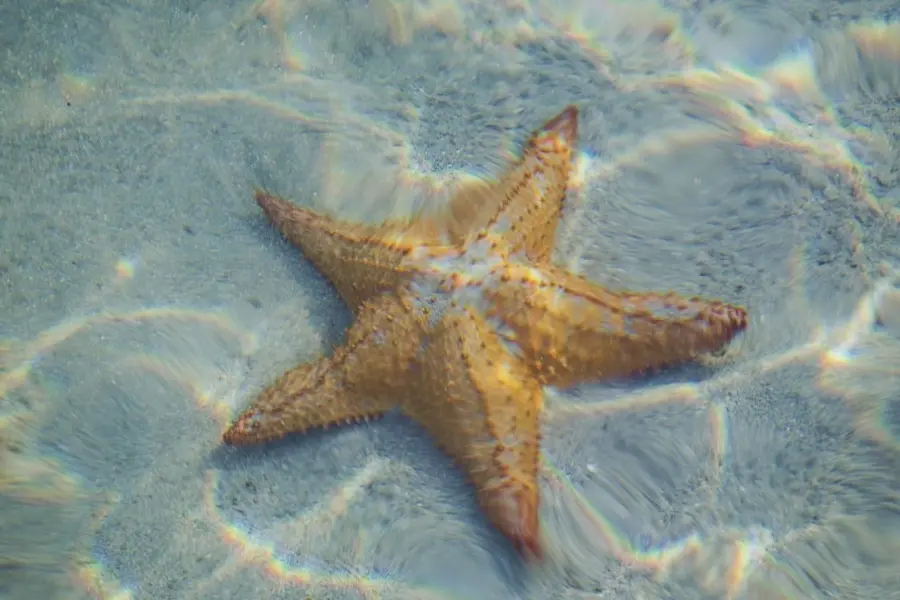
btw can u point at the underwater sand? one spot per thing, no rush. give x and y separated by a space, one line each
746 151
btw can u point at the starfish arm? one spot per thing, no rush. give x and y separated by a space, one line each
361 261
483 407
362 378
523 206
571 330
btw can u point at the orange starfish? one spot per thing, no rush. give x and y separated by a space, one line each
460 321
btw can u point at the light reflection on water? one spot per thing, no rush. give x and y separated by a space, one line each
145 303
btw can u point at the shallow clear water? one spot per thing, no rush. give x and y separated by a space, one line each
745 151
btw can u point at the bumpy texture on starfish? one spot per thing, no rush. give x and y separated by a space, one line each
461 319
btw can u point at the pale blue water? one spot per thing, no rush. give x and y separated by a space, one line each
745 151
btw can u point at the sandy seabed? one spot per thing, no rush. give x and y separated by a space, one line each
746 151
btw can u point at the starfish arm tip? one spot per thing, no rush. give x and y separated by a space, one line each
271 205
565 124
733 320
244 431
513 509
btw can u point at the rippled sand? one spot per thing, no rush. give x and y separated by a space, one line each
743 151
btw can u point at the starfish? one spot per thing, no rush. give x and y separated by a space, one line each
461 318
